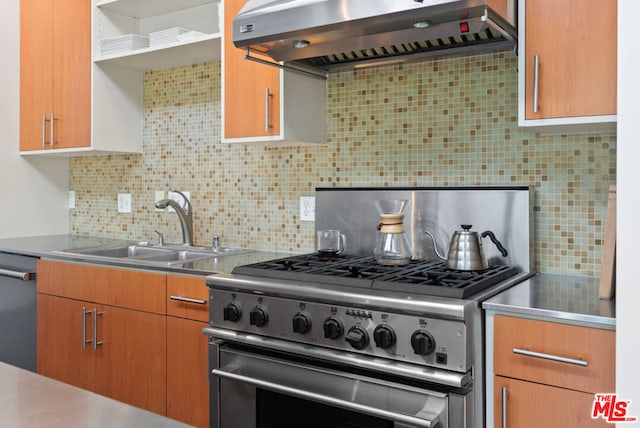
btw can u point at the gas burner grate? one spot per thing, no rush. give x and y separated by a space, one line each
418 277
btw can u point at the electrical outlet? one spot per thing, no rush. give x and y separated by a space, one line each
158 195
72 199
124 203
178 198
307 208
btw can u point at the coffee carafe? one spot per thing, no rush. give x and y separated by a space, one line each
392 245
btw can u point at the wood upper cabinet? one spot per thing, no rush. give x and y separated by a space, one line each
104 329
548 373
187 350
55 74
252 90
568 61
264 103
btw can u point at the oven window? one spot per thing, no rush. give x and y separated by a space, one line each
276 410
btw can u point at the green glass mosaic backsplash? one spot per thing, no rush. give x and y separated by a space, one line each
445 122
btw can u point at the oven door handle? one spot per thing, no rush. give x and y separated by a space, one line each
401 420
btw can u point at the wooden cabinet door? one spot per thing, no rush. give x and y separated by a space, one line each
245 88
55 74
187 372
532 405
72 73
131 364
36 78
576 43
61 354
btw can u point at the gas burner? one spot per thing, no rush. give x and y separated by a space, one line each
418 277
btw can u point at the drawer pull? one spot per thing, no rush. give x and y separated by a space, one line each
551 357
504 406
188 300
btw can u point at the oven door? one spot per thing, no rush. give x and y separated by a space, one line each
251 389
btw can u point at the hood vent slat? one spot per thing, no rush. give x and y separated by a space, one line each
400 50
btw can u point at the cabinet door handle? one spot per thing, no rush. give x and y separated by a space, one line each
95 329
536 74
84 327
51 137
504 406
44 130
551 357
267 94
188 300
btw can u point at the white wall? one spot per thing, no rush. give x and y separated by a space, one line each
34 191
628 181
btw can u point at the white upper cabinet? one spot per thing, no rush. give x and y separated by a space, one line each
191 29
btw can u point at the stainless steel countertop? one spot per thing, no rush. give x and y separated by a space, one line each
29 400
562 298
44 247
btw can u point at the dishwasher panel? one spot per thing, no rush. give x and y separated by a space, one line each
18 310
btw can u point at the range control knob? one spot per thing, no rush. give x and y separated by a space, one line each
357 337
259 316
422 342
232 312
384 336
301 323
333 328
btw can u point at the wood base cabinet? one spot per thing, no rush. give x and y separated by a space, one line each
187 377
567 64
104 330
547 373
187 350
116 352
134 336
532 405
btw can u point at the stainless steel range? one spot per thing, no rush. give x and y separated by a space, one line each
349 342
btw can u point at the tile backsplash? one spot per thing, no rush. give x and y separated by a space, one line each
446 122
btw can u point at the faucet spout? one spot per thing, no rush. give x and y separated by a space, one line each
185 215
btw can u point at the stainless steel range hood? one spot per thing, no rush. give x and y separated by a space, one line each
331 34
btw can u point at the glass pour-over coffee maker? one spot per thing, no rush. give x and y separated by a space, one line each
392 245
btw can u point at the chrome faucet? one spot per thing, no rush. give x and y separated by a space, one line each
184 214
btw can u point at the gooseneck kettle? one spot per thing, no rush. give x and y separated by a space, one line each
465 250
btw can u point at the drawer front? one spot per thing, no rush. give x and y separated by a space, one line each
531 405
188 297
555 354
131 289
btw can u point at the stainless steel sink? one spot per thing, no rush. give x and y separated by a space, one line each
145 254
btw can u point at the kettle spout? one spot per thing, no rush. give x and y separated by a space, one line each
435 246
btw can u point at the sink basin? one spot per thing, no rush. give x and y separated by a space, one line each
153 254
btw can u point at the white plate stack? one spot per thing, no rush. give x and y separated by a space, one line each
127 42
170 35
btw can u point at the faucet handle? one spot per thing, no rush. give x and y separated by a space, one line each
160 237
215 243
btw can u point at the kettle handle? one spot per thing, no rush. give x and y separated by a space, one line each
435 246
493 238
